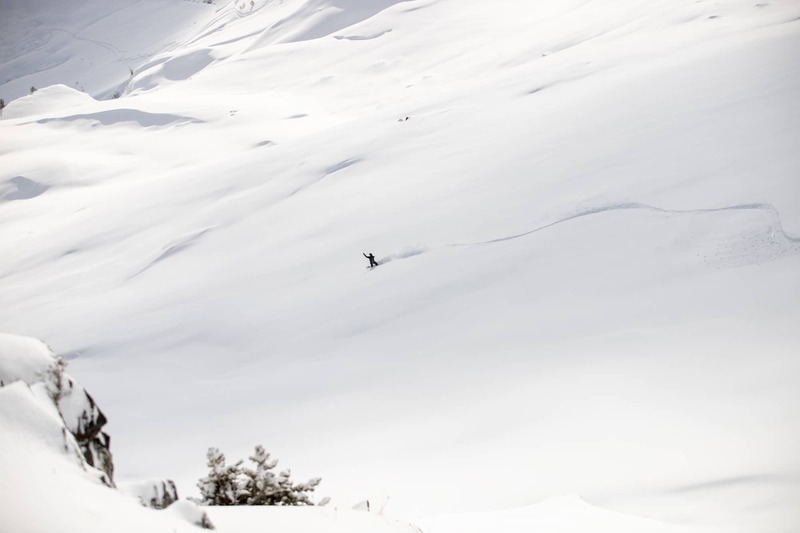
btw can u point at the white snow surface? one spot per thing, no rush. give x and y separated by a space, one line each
559 514
303 520
589 230
24 359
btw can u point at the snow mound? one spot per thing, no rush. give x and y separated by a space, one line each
560 514
178 67
47 100
23 359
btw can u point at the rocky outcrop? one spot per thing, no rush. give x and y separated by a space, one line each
34 363
46 417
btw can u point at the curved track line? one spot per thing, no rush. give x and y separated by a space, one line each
635 205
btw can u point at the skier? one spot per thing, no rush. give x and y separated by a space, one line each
371 257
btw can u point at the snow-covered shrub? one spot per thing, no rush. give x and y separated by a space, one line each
235 485
224 484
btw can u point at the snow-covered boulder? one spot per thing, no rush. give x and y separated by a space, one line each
33 363
30 426
190 512
155 493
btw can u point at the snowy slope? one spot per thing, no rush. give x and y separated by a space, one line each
89 46
589 228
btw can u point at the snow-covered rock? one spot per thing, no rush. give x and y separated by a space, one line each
190 512
32 362
154 493
48 483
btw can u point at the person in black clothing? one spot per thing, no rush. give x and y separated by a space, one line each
371 257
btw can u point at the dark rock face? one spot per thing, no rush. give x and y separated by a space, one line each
34 363
82 417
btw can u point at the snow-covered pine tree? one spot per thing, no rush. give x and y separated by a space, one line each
260 480
224 485
264 488
234 485
295 494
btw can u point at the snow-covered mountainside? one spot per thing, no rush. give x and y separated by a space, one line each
586 214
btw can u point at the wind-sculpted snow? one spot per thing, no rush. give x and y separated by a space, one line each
320 18
121 116
55 98
21 188
175 247
327 171
177 67
361 37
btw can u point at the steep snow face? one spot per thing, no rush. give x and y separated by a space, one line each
587 215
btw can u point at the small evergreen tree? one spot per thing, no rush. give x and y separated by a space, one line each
33 89
234 485
261 480
222 484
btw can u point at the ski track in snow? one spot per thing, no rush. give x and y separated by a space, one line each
107 46
634 205
776 225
